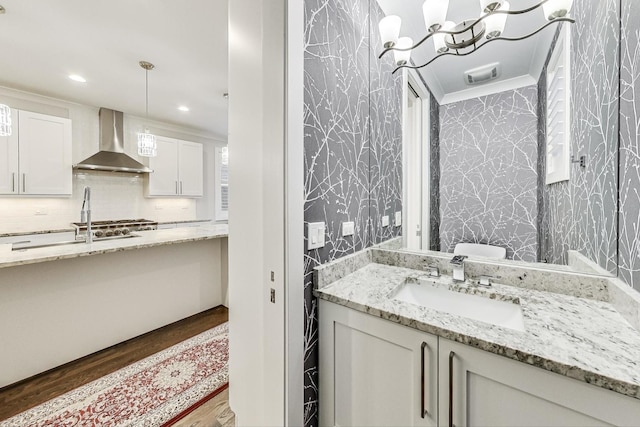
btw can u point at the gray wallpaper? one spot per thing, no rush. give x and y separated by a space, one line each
488 172
580 214
352 146
629 216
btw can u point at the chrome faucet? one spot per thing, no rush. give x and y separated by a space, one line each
458 268
85 214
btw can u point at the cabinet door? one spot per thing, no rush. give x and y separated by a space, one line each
44 154
491 390
163 181
190 168
371 371
9 159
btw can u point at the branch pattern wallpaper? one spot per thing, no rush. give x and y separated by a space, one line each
488 172
352 146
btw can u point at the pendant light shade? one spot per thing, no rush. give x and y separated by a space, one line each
5 120
403 57
389 30
556 8
147 146
487 6
435 13
438 39
495 23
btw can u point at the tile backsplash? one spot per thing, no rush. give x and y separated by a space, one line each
113 196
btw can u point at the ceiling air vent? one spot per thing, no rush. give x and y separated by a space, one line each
482 74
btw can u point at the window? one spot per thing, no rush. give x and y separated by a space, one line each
558 112
222 183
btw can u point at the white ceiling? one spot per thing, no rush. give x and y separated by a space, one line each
44 41
521 62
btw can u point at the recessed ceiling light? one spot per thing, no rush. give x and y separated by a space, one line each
2 9
183 108
77 78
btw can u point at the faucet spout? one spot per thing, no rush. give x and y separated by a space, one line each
457 264
85 214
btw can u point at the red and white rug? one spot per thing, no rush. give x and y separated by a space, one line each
150 392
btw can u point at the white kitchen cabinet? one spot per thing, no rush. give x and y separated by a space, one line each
177 169
491 390
374 372
36 158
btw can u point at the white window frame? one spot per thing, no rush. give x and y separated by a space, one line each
558 115
221 214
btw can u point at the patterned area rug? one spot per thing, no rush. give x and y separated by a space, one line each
147 393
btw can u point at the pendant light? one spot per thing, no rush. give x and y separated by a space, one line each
147 146
5 120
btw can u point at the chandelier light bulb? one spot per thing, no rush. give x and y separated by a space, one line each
438 39
495 22
556 8
403 57
435 13
389 30
5 120
147 146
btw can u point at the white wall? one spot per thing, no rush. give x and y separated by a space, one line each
115 195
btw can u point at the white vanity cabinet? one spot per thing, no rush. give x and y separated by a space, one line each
36 158
374 372
483 389
371 375
177 169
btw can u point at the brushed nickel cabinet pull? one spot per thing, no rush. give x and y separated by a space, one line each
24 182
423 411
180 187
13 182
451 356
176 187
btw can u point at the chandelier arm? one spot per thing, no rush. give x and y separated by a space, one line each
509 39
474 23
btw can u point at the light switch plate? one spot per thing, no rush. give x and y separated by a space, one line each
385 221
348 228
398 220
315 235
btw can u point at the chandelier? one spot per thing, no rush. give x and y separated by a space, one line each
466 37
147 146
5 120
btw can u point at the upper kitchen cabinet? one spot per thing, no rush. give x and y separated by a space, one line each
36 158
177 169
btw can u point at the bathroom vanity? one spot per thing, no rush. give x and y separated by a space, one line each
512 354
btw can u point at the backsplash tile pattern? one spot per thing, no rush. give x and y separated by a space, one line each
488 172
113 196
580 213
353 156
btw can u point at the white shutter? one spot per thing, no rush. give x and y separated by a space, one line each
558 118
222 183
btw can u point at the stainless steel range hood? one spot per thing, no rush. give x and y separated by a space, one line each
111 156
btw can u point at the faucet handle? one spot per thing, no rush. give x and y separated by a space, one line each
485 280
434 271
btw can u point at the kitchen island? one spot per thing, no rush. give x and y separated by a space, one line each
60 303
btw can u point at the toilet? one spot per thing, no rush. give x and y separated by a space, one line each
478 249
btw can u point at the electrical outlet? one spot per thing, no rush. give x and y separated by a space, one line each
348 228
385 221
398 219
41 211
158 207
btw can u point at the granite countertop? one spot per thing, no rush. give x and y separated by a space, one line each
143 239
580 338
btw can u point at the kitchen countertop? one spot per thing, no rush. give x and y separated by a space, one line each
143 239
580 338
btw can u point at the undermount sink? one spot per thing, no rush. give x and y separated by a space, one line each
27 245
507 314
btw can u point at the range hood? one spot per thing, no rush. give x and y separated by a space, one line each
111 156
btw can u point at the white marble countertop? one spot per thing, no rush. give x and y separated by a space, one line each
143 239
580 338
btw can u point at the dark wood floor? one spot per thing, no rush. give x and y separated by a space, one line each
33 391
